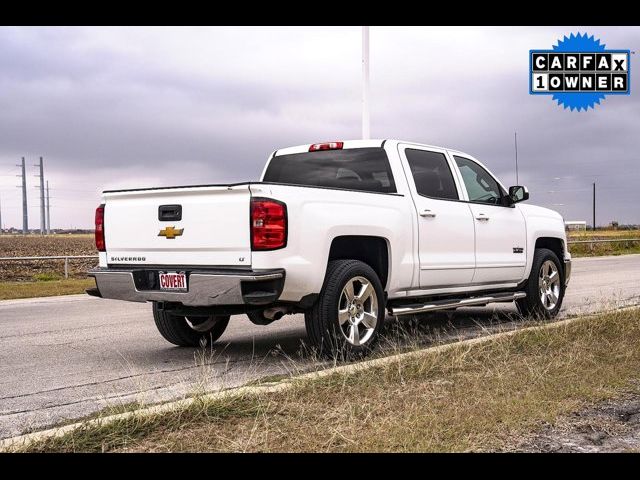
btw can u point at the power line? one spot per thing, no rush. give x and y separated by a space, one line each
586 189
75 190
71 194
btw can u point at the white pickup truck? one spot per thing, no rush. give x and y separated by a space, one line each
344 232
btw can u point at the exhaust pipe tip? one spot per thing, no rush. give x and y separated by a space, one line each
275 313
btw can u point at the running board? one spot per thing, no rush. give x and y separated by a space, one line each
454 303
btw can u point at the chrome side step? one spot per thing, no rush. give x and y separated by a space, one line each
454 303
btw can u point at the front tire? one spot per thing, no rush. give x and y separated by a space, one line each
189 331
545 286
349 314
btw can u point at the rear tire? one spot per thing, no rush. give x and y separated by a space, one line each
189 331
349 314
545 286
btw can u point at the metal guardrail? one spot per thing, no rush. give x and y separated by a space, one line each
54 257
67 257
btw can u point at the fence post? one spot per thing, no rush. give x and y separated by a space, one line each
66 267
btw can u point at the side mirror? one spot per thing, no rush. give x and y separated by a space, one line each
518 193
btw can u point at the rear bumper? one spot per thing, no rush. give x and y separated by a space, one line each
205 287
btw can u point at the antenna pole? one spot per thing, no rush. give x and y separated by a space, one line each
515 136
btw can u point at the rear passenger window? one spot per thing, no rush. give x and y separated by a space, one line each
431 174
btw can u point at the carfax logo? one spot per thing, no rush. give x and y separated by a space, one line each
579 72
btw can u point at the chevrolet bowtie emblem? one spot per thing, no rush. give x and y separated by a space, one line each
171 232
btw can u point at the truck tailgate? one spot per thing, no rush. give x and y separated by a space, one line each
213 229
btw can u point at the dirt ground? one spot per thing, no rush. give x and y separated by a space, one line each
50 245
613 426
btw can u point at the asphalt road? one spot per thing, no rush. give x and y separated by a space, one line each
66 357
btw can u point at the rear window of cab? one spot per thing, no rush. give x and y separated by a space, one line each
363 169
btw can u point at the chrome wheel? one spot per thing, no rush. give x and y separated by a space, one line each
549 285
202 324
358 311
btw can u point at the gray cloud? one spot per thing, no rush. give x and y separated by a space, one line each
112 107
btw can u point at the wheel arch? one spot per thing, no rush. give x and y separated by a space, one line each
556 245
370 249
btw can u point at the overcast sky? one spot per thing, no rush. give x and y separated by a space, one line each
136 107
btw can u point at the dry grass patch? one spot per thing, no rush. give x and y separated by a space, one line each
607 248
44 288
603 249
589 234
467 397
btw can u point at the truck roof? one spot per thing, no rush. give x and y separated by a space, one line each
377 142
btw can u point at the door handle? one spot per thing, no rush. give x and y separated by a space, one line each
482 217
427 213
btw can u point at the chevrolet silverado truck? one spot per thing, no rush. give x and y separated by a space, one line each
343 232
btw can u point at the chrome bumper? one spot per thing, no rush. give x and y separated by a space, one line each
205 288
567 271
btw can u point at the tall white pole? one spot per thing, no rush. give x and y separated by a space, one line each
366 121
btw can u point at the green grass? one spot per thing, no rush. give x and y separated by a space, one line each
481 396
48 287
46 277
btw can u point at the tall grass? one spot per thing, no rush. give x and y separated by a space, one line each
466 397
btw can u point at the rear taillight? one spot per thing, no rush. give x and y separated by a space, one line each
100 229
268 224
326 146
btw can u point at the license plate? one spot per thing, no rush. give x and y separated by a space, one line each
173 281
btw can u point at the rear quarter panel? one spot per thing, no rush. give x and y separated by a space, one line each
316 216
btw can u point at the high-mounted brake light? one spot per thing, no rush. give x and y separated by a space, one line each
268 224
326 146
100 245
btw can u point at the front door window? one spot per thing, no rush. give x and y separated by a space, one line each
480 185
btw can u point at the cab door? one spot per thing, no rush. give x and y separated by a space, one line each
500 230
446 242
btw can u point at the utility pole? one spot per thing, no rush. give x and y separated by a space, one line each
515 135
42 210
366 122
594 206
48 211
25 210
0 215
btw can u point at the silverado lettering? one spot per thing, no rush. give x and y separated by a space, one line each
127 259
